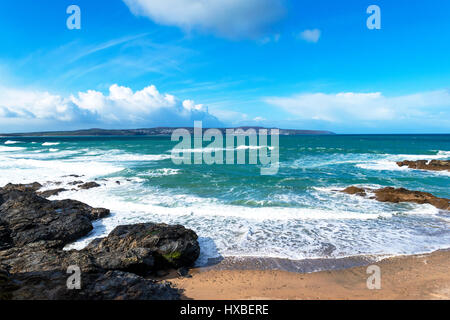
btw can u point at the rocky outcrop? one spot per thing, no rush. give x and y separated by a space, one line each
111 285
433 165
33 231
89 185
26 217
394 195
146 247
51 193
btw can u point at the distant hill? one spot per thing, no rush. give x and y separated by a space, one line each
161 131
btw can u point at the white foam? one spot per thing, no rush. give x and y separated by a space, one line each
13 142
161 172
10 149
48 144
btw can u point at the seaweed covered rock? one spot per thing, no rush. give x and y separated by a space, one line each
158 246
433 165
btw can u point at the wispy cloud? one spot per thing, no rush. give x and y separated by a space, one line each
348 107
231 18
310 35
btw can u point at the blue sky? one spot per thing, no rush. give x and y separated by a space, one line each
285 63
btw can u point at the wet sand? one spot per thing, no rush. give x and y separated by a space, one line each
405 277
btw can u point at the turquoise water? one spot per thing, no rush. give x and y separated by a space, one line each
294 214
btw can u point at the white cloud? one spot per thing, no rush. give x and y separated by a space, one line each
310 35
120 107
349 106
230 18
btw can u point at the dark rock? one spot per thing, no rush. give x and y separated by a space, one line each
6 241
99 213
50 193
33 231
89 185
32 187
112 285
355 190
403 195
394 195
31 218
433 165
183 272
152 246
118 182
74 206
75 183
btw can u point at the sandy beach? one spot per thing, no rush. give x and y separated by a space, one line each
404 277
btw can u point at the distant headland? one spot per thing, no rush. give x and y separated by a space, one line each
159 131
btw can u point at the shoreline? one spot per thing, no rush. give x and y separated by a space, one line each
420 276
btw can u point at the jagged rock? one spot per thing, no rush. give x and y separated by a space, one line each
152 246
74 206
32 187
5 236
434 165
394 195
31 218
33 231
111 285
50 193
89 185
355 190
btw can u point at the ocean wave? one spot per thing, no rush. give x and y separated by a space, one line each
13 142
48 144
161 172
122 157
208 150
9 149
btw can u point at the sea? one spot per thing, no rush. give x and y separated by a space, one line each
298 213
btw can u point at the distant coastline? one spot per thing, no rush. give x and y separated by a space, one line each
159 131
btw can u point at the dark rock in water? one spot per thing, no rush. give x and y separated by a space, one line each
99 213
32 187
433 165
75 183
112 285
403 195
50 193
118 182
31 218
73 176
394 195
89 185
33 231
355 190
153 246
74 206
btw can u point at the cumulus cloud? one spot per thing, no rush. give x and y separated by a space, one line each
349 106
230 18
310 35
120 107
